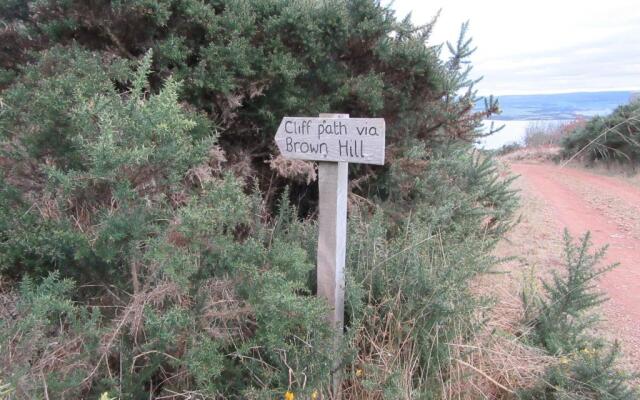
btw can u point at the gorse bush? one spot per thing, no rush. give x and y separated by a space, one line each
415 288
45 311
124 158
615 137
561 319
152 244
247 64
590 373
196 305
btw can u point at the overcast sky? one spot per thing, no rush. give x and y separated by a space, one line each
542 46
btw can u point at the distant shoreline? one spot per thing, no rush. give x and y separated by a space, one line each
580 92
558 106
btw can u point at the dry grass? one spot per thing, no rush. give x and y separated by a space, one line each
533 154
499 362
494 364
297 170
385 351
550 133
542 141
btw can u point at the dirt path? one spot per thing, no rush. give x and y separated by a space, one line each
609 207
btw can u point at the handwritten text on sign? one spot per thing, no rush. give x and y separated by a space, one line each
356 140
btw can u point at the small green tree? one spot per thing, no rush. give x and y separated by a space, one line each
561 322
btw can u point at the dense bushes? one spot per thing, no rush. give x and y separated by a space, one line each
412 279
208 317
614 137
134 209
247 64
148 243
153 244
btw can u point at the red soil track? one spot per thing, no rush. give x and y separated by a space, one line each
610 209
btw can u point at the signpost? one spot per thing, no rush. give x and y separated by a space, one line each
332 137
334 140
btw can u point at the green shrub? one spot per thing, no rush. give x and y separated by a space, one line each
88 202
455 187
561 322
213 316
614 137
196 284
409 295
160 255
591 373
52 339
247 64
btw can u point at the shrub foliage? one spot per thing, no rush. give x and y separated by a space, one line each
153 245
562 318
615 137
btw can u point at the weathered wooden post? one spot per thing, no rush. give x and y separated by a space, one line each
334 140
333 188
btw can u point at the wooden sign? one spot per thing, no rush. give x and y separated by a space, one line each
334 140
356 140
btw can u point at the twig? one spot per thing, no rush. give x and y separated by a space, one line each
133 362
109 344
486 376
46 388
114 39
403 250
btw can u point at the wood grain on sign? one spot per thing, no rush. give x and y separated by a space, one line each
356 140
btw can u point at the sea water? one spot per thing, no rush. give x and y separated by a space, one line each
519 112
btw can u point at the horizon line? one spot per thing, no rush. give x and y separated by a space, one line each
572 91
